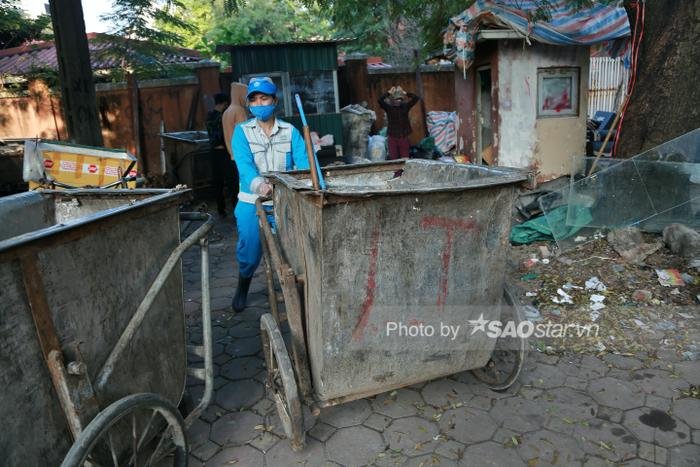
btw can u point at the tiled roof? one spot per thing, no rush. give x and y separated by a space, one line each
21 60
374 63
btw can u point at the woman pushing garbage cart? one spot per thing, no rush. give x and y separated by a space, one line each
418 244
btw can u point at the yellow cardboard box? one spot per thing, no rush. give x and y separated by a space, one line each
74 165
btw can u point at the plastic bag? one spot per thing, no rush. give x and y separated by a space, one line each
377 148
357 122
33 165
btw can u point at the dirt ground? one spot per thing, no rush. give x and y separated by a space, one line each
640 318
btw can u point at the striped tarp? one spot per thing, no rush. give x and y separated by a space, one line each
566 25
442 127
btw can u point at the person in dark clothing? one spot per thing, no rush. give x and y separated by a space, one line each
397 103
220 160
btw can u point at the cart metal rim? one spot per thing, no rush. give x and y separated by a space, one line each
281 382
100 427
485 374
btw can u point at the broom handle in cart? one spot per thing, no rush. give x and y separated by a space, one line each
316 176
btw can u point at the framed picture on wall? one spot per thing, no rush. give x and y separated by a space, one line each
557 92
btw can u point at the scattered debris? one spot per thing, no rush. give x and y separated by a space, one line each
596 305
565 298
670 277
682 240
635 301
544 251
625 239
595 298
639 323
529 263
580 239
531 313
595 284
642 295
694 263
618 268
565 260
665 326
629 244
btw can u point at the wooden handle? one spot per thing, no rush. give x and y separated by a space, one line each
312 160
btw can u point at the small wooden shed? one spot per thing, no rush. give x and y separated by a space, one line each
307 68
524 105
523 90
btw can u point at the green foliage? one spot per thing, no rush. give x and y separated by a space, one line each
432 19
201 16
136 43
16 28
252 21
392 28
374 22
134 19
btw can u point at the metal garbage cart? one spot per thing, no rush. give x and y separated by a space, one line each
187 158
411 242
92 330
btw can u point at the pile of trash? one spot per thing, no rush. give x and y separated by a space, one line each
640 292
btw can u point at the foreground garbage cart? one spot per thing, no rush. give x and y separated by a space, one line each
374 271
93 355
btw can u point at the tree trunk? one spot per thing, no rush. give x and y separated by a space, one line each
75 72
666 101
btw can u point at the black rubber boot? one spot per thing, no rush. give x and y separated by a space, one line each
239 299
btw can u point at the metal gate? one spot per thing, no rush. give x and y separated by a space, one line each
605 76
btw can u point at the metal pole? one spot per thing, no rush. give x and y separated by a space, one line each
207 374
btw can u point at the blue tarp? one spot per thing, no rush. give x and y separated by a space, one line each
606 25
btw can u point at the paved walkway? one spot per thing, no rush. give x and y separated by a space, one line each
578 410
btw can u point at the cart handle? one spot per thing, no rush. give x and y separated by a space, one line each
275 250
138 317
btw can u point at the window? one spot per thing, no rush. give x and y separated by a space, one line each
557 92
317 89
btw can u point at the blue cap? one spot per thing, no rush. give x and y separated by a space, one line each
263 85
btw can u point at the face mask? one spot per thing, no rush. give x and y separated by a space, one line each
262 112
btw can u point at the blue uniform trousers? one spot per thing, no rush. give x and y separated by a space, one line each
248 248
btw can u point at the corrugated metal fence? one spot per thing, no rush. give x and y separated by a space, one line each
606 76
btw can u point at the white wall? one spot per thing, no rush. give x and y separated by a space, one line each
545 144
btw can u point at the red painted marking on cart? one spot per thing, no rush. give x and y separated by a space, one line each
370 288
450 226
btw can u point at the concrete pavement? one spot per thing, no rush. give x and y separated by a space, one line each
591 410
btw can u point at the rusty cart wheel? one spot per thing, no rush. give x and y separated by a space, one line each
281 382
140 429
508 357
